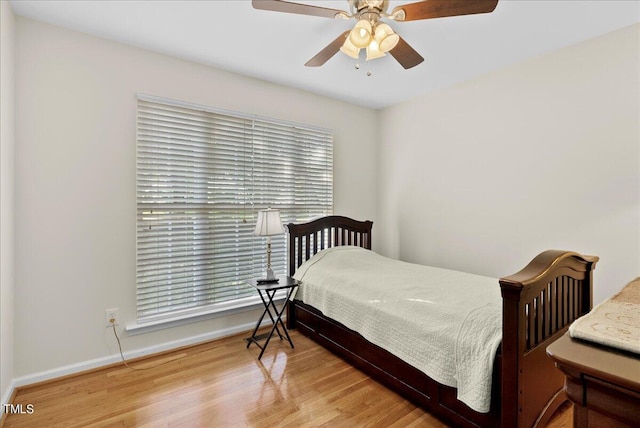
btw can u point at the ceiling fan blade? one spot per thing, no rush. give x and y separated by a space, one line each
301 9
330 50
440 8
406 55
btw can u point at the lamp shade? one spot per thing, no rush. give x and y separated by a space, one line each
386 38
348 48
360 36
373 51
268 223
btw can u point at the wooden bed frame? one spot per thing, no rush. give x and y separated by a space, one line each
539 303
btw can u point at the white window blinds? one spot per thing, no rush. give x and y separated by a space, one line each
202 175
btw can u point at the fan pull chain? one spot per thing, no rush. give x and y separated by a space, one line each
369 72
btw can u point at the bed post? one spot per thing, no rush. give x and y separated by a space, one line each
511 370
538 304
291 313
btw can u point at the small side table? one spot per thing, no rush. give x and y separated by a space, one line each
267 292
602 383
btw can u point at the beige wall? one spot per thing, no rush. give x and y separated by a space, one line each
7 147
479 177
483 176
75 183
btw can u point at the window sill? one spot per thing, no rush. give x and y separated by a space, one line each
226 309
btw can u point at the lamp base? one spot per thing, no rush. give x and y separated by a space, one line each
270 279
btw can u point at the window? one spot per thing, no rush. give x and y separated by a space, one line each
202 174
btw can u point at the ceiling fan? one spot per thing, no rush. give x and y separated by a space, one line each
370 32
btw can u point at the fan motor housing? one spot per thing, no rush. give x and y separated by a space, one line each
359 6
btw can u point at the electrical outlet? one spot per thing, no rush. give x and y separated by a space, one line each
111 317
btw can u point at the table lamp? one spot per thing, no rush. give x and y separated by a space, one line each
269 224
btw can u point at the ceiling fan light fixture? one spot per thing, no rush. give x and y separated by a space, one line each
368 14
360 36
373 51
350 49
386 38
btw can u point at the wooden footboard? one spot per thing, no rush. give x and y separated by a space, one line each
539 303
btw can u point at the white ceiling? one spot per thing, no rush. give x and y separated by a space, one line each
273 46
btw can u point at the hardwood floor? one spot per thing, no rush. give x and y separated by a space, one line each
222 384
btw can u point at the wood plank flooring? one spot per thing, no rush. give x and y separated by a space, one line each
222 384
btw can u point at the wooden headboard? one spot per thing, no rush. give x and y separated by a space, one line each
306 239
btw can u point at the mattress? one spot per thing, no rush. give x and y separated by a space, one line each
447 324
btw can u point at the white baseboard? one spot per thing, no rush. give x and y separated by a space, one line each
104 361
7 394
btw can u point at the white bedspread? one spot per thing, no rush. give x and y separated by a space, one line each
447 324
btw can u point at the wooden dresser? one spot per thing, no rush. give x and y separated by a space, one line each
602 383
